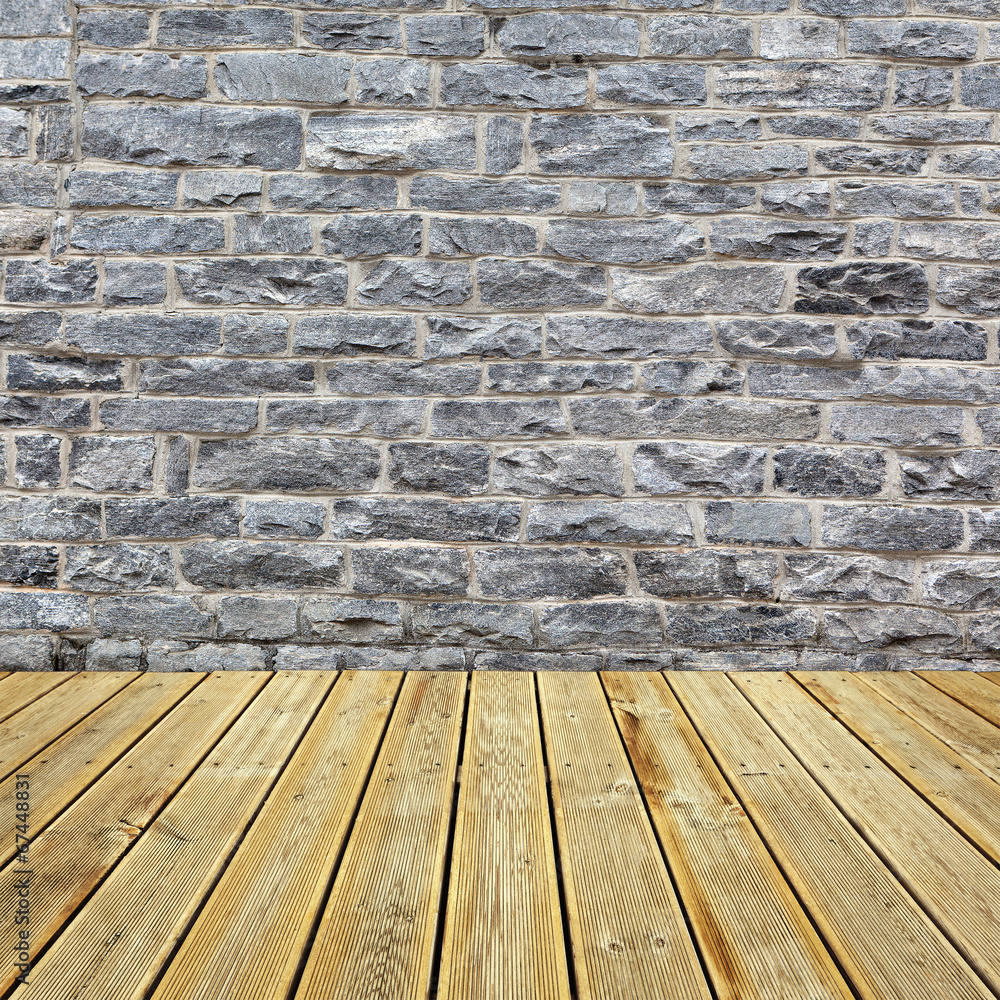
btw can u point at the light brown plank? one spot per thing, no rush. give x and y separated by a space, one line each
950 878
249 939
23 687
377 933
968 734
119 941
503 932
887 945
65 768
626 928
754 937
950 784
45 719
971 689
72 856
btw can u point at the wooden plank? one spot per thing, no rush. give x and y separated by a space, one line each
72 856
376 937
972 689
503 932
951 785
22 687
960 728
754 937
65 768
626 928
249 939
117 944
887 945
955 884
45 719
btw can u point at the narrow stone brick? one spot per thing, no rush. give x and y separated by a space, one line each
27 652
339 619
820 577
797 38
689 378
54 612
862 288
39 281
714 625
452 237
410 570
696 35
808 198
633 146
639 242
776 240
532 573
546 35
402 378
815 472
153 615
472 624
445 35
176 517
898 200
619 623
282 76
953 340
462 418
767 523
706 469
160 234
645 522
968 475
112 29
263 281
535 377
373 235
427 519
848 87
206 28
740 163
352 32
442 194
66 413
355 334
225 377
174 656
186 415
697 199
254 333
415 283
482 336
330 193
151 74
908 628
652 83
909 426
700 289
222 189
777 338
65 518
707 573
387 418
531 284
973 291
512 86
284 519
29 566
241 565
116 567
456 469
50 374
889 528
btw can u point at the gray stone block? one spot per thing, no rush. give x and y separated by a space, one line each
542 377
151 74
925 87
175 517
707 573
283 519
547 470
513 86
352 32
689 378
39 411
967 475
907 628
134 283
39 465
445 35
373 235
466 623
777 338
909 426
51 374
897 200
600 336
964 584
353 334
697 199
426 283
532 284
198 29
27 185
545 36
693 467
256 618
700 35
392 82
745 163
330 193
618 623
625 242
112 464
271 234
225 377
632 521
111 188
222 189
142 234
282 76
482 336
972 291
700 289
766 523
952 340
777 240
263 281
862 288
808 198
184 415
626 146
411 570
51 612
340 619
455 469
889 528
797 38
243 565
29 566
427 518
789 85
177 656
504 144
153 615
142 334
449 194
816 472
530 573
39 281
660 84
715 625
116 567
821 577
502 418
27 652
387 418
66 518
112 29
34 58
402 378
457 237
255 333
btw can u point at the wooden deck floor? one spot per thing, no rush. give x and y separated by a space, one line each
308 835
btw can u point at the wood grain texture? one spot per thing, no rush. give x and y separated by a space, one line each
45 719
949 783
973 690
22 688
627 931
954 883
887 945
249 938
959 727
377 934
117 944
503 932
753 935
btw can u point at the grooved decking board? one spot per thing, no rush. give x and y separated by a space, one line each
973 690
754 937
66 767
249 938
951 879
118 943
47 718
376 937
503 932
20 689
72 856
626 928
889 948
968 734
951 785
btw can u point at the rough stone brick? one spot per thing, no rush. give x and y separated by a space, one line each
713 625
625 242
27 652
447 194
578 336
39 518
914 628
23 232
514 86
633 146
27 185
502 418
388 418
50 374
176 656
111 188
620 623
453 237
112 29
777 240
54 612
949 241
742 163
768 523
826 126
558 469
242 565
848 87
222 189
330 193
707 573
292 464
645 522
56 131
282 76
821 577
504 144
38 461
518 660
797 38
392 82
355 334
482 336
975 161
402 378
808 198
924 87
41 411
134 283
111 464
777 338
34 58
197 29
697 35
966 584
708 659
141 234
157 135
531 284
697 199
652 83
34 17
933 128
862 288
545 35
188 415
909 426
250 333
889 528
707 469
903 39
35 329
973 291
473 624
815 472
358 141
225 377
142 334
456 469
268 281
153 615
415 283
968 475
601 198
350 620
382 658
873 239
271 234
700 289
535 377
537 573
726 128
256 618
952 340
176 517
151 74
427 518
445 35
116 567
40 281
352 32
899 200
29 566
13 132
284 519
410 570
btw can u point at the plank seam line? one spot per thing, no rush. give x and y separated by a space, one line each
971 708
42 694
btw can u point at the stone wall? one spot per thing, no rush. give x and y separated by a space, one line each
450 334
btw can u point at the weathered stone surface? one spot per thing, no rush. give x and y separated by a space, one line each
153 615
714 625
600 336
737 523
132 234
698 35
341 619
240 565
626 146
973 291
472 624
797 38
112 464
914 628
34 17
707 573
894 199
504 144
535 573
29 566
699 289
513 85
295 464
820 577
910 426
176 517
152 74
22 232
27 652
110 188
352 32
705 469
39 281
39 411
389 418
415 283
53 612
392 82
176 656
27 185
205 28
456 469
410 570
500 418
28 328
255 333
965 584
913 39
952 340
116 567
354 334
924 87
850 87
402 378
862 288
268 281
449 194
777 240
815 472
330 193
890 528
558 469
689 378
645 522
34 58
625 242
777 338
134 283
619 623
968 475
112 29
444 35
427 518
980 86
697 199
486 336
553 35
508 284
662 84
541 377
745 163
160 135
256 618
38 461
271 234
452 237
807 198
282 76
222 189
